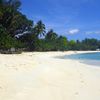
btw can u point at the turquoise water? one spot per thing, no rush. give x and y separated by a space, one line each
84 56
87 58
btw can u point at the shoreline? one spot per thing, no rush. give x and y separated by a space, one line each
41 76
92 62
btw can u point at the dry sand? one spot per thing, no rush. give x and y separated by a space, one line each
41 76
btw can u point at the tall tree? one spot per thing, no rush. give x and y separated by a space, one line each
51 35
39 29
62 43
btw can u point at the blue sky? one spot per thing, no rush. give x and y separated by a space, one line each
75 19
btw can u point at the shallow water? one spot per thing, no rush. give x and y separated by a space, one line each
87 58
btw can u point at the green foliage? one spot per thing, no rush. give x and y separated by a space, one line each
6 41
39 29
17 31
51 35
62 43
90 44
72 45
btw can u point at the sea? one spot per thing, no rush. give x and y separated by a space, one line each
87 58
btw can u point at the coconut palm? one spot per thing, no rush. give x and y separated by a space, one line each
51 35
39 29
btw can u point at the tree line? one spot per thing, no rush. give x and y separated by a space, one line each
17 31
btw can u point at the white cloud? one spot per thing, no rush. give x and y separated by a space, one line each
93 32
73 31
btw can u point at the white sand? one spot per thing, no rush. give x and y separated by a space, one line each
40 76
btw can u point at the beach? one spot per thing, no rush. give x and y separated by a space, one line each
44 76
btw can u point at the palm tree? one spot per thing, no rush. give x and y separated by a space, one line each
51 35
39 29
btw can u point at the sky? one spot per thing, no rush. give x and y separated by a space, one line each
75 19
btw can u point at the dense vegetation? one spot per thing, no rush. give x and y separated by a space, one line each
17 31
